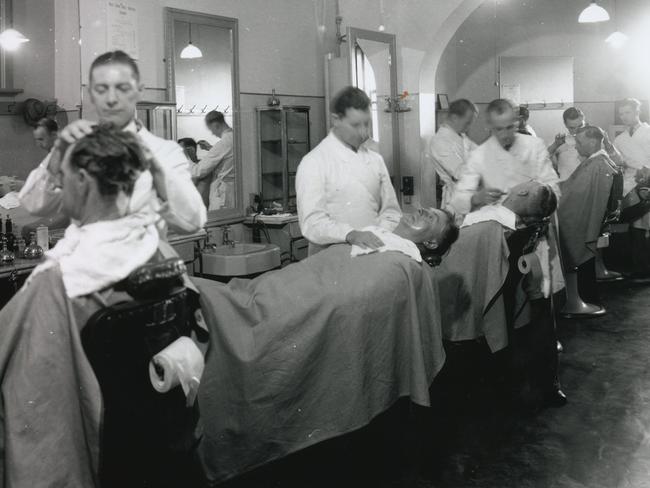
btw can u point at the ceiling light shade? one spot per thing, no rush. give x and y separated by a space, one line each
617 39
11 39
191 52
593 13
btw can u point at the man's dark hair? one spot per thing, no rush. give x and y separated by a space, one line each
461 106
630 102
115 57
592 132
48 124
499 106
112 156
349 97
187 141
548 201
214 116
524 113
449 234
572 113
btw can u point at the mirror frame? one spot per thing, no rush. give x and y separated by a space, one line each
226 215
353 34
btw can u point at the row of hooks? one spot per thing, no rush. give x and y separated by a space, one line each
204 110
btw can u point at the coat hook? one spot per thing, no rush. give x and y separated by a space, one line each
225 110
203 109
192 109
180 109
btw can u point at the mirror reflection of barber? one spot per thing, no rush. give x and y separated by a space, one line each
218 164
167 189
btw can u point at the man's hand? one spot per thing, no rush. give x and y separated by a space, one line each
205 145
364 239
486 196
74 131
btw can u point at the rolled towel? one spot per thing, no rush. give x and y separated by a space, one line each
181 363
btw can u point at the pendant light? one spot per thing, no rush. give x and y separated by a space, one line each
593 13
616 39
191 51
11 39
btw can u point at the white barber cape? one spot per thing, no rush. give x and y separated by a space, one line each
392 242
219 161
635 150
449 151
490 163
183 210
340 190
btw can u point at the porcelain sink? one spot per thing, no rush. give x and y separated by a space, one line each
242 259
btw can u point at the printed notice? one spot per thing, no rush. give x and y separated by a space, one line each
122 27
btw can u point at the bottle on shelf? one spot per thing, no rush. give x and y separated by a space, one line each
9 233
33 251
6 256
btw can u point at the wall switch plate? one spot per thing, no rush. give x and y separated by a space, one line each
407 186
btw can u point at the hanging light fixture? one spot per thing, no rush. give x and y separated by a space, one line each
191 51
381 27
11 39
593 13
616 39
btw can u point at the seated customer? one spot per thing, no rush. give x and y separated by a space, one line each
588 196
51 402
636 212
315 350
482 295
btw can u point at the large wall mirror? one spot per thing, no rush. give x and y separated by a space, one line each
202 77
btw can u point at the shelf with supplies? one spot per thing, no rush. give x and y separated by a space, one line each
283 140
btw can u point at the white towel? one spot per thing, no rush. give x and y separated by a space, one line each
497 213
10 200
392 242
95 256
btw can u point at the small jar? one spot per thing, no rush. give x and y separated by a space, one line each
33 251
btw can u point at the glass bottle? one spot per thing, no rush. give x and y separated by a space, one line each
33 251
6 256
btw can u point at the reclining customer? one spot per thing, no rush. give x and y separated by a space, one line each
318 348
51 408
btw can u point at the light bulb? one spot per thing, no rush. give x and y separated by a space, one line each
593 13
11 39
191 52
382 28
617 39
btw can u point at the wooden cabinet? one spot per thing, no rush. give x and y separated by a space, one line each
159 118
283 140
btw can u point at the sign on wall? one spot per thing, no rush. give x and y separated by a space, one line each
122 27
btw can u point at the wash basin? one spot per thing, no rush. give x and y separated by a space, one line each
242 259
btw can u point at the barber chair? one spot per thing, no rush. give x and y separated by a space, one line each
147 438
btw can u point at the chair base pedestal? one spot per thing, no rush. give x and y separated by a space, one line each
604 275
575 307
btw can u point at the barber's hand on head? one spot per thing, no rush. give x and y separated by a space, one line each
205 145
486 196
74 131
364 239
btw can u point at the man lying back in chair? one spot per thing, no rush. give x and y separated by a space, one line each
51 402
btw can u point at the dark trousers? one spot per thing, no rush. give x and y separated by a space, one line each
640 251
587 286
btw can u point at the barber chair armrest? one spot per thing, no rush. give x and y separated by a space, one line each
154 279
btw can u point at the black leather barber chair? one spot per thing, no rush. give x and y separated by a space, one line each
148 438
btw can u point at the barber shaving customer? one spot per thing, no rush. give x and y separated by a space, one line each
115 89
342 186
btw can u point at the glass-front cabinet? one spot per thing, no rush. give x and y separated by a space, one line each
283 141
159 118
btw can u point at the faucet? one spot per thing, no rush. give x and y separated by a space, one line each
226 241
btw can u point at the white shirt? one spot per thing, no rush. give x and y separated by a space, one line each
392 242
491 164
635 150
449 151
220 162
567 157
339 190
183 210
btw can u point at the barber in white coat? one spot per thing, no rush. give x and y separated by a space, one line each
341 185
634 142
115 88
450 147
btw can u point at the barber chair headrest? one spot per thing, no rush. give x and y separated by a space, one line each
154 279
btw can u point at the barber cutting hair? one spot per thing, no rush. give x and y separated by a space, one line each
341 185
115 89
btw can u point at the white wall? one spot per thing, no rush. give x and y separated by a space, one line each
550 28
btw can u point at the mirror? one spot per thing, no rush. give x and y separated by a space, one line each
40 78
203 77
373 70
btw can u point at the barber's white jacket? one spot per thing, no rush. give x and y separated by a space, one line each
495 167
339 190
219 161
567 157
183 209
636 152
449 152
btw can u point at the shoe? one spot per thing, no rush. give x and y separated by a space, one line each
555 398
560 349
